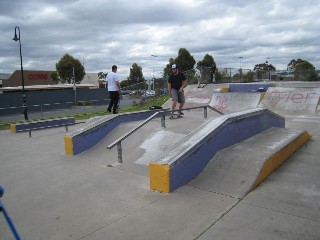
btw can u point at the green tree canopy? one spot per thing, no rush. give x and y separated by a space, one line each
101 75
207 61
135 74
167 71
65 67
291 65
305 71
184 60
264 67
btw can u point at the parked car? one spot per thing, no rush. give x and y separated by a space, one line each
125 92
150 93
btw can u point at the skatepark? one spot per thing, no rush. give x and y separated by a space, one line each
245 166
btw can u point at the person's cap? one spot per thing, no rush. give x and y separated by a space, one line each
174 66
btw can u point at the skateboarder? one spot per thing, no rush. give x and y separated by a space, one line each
198 76
176 83
213 72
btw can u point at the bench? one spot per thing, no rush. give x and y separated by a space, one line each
41 124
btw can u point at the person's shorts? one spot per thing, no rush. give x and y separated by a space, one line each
177 96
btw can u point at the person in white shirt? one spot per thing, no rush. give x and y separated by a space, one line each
198 75
113 80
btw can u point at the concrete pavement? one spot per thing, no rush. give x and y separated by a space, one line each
90 196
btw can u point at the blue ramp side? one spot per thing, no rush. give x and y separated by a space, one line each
232 131
88 136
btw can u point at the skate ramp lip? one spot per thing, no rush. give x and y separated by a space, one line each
291 101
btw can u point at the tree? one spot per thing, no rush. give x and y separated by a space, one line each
262 69
305 71
135 75
167 70
65 67
184 60
207 61
101 75
291 65
206 64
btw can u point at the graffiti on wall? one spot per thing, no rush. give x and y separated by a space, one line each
291 97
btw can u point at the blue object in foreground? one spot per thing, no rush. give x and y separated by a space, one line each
6 216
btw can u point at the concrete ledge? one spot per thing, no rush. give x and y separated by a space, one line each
96 129
277 158
41 124
237 170
188 157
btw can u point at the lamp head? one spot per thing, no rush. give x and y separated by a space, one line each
15 38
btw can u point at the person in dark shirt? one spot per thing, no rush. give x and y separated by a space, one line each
176 83
213 73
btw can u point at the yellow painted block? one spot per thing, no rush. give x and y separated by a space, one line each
159 177
224 89
262 96
279 157
68 145
13 128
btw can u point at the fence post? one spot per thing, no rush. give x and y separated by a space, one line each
41 111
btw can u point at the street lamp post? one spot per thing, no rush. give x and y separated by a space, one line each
240 58
74 86
153 55
268 66
25 107
240 69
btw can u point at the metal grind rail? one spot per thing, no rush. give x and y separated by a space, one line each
163 124
118 141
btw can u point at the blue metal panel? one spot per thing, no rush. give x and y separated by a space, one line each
87 140
248 87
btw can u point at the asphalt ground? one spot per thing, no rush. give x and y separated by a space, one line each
49 195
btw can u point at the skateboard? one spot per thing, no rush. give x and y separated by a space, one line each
175 116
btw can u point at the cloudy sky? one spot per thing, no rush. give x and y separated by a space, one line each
101 33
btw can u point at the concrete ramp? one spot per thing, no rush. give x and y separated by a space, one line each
238 169
291 101
229 102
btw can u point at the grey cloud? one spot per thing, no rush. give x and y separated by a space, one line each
102 33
